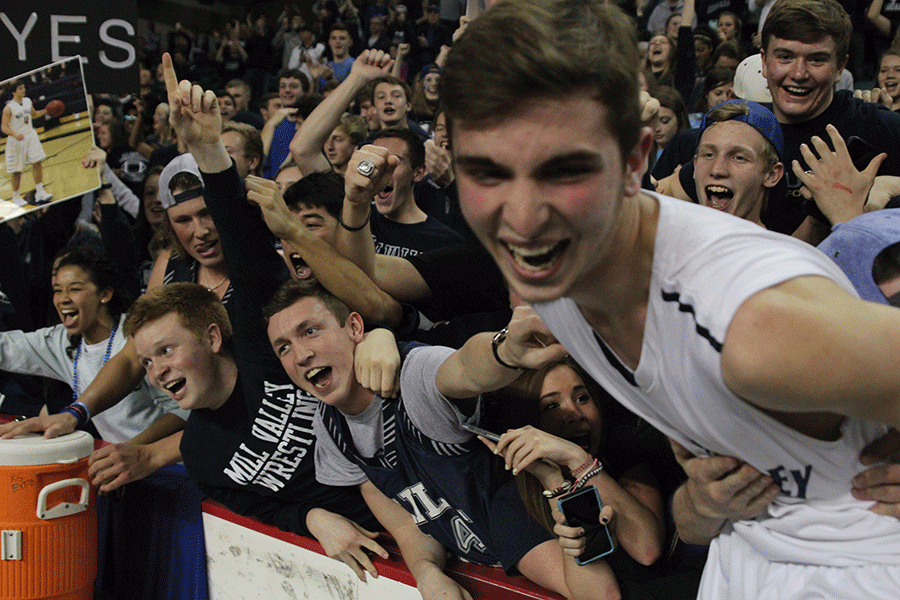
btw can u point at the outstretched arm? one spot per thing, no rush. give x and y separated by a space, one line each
268 130
838 188
136 137
354 237
112 466
473 369
194 114
807 345
306 147
340 276
118 378
878 20
393 274
424 556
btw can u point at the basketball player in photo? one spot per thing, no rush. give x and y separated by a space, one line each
23 146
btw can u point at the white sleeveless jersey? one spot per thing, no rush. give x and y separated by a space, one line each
20 116
705 264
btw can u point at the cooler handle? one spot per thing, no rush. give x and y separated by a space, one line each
63 508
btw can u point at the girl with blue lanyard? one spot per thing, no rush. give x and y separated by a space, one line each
90 304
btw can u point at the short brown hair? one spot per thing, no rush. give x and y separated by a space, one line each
391 80
294 290
197 308
253 144
263 102
365 94
809 21
355 128
239 83
295 74
414 144
519 51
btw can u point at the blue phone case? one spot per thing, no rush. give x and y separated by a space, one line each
596 547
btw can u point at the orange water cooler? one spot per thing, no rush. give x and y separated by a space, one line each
48 518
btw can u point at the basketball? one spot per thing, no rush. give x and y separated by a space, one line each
55 108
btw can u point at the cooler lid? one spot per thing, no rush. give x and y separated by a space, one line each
33 449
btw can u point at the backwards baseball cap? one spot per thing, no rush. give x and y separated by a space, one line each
856 244
183 163
430 68
749 83
759 117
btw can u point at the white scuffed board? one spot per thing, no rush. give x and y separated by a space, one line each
243 564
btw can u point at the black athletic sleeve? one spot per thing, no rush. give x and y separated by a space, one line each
685 64
255 268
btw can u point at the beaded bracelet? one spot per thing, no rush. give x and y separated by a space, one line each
584 478
589 464
80 411
564 488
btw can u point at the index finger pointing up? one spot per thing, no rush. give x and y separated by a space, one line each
171 80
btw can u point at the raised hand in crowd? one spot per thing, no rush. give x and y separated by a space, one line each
875 95
439 164
839 189
194 112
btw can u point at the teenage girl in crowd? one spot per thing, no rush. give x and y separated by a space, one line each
570 436
672 117
90 303
717 88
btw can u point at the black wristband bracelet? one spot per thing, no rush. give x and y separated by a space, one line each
106 186
348 228
495 344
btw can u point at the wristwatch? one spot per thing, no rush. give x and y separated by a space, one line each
495 344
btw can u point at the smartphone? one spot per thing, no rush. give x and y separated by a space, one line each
482 432
582 509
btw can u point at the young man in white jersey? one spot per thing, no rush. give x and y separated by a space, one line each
730 339
23 146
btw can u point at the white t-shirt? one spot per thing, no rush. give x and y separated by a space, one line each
705 265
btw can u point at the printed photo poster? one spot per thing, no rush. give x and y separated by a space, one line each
46 133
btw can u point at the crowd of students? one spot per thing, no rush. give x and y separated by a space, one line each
405 240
